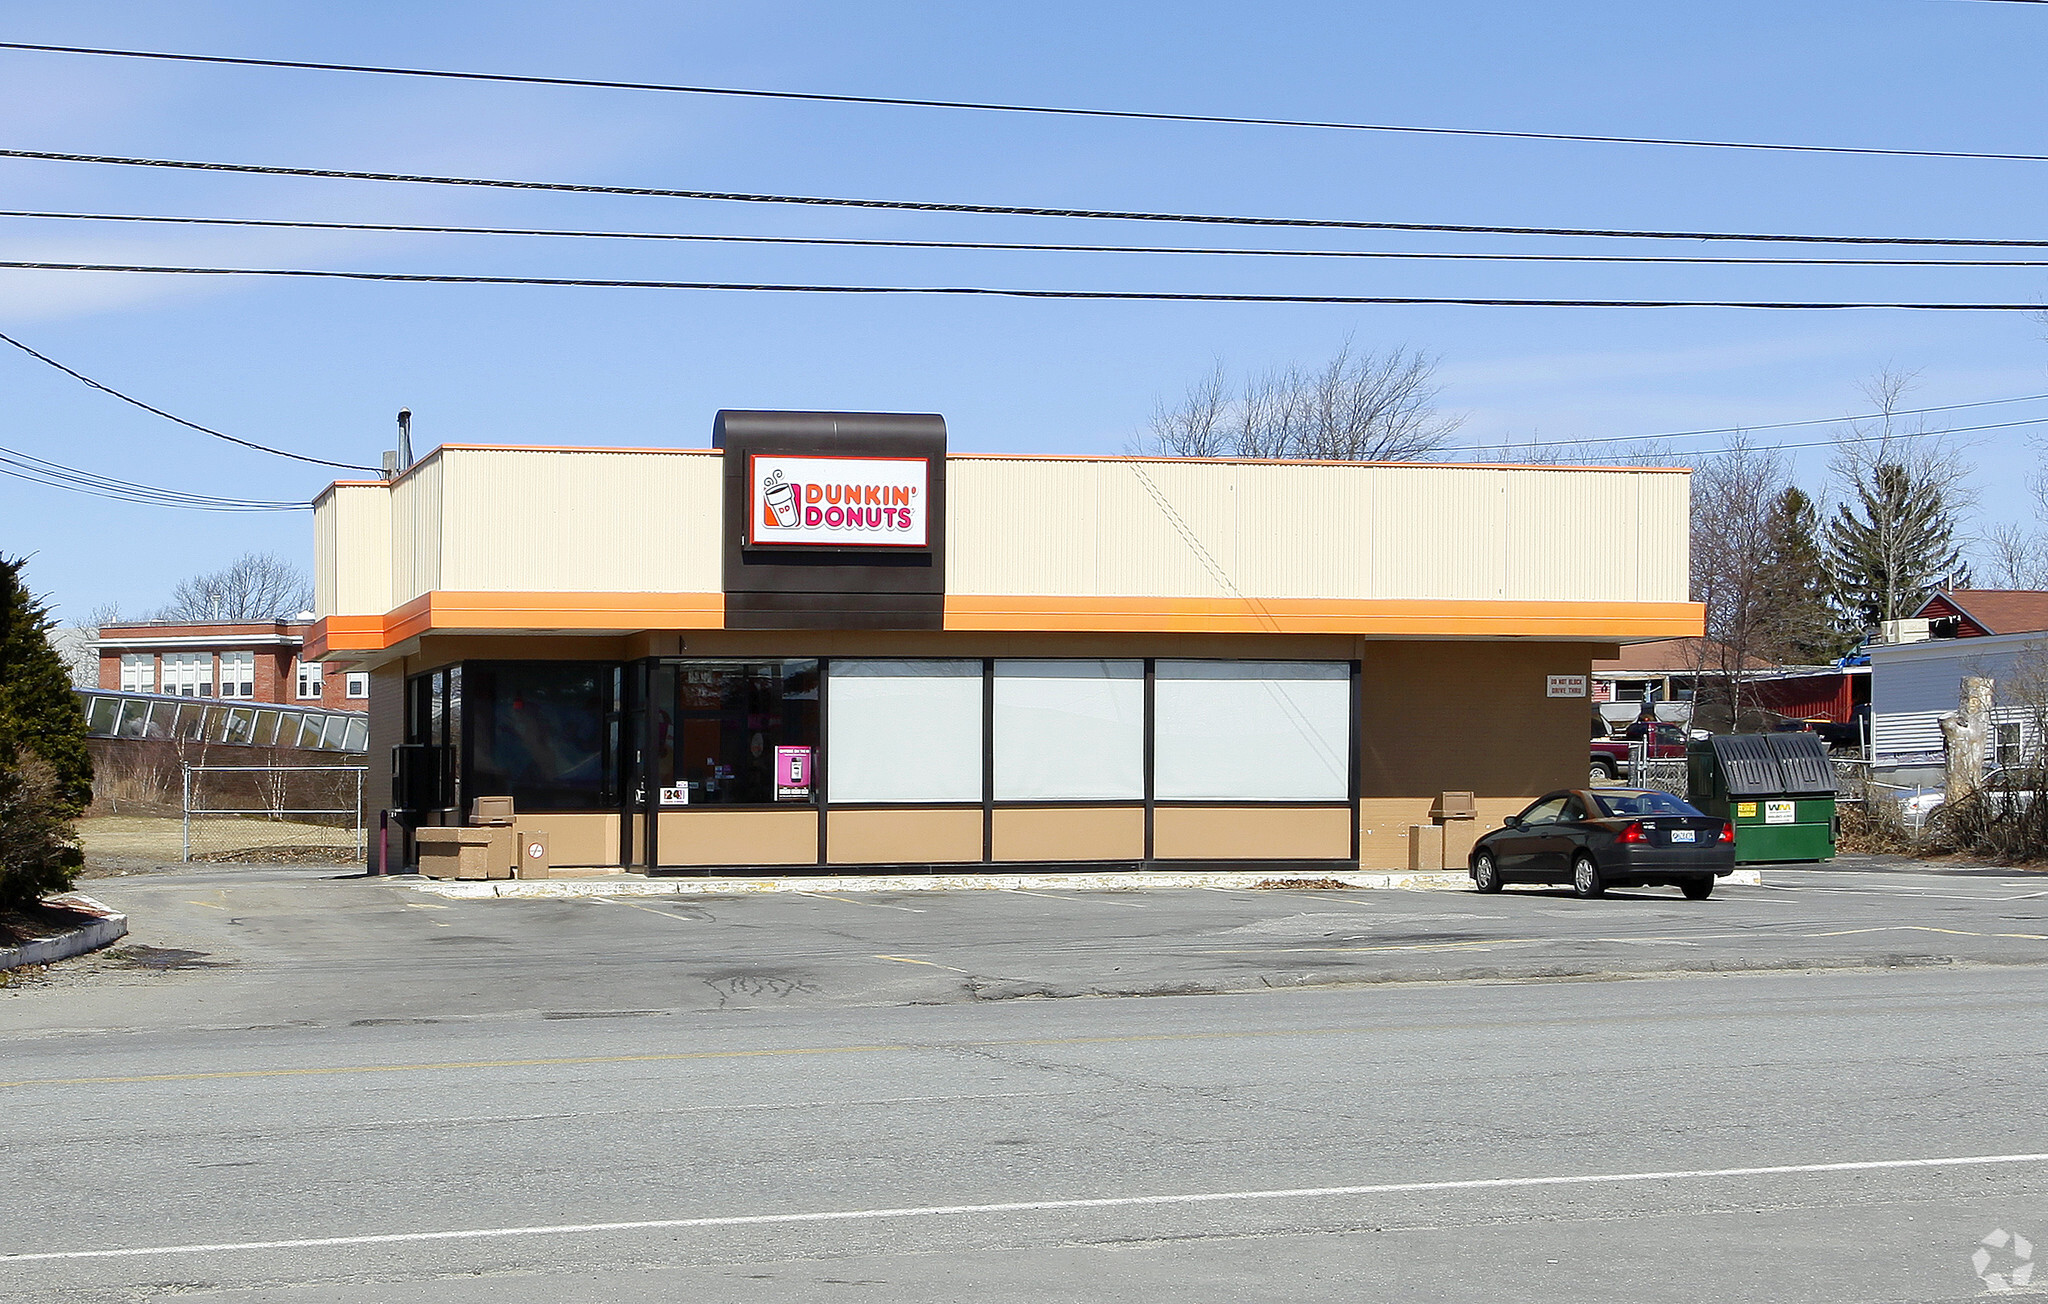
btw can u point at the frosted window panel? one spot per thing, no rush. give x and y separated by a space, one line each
1252 731
1070 730
905 731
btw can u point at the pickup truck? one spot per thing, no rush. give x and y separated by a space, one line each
1610 755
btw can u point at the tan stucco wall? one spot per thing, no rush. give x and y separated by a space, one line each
1471 717
902 837
1383 824
1247 833
575 839
739 837
1076 833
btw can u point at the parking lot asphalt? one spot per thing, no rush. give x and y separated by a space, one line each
245 946
291 1085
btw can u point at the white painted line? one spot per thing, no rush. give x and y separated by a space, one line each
1034 1206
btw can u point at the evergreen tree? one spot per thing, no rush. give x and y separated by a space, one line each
39 853
1800 629
1892 544
39 716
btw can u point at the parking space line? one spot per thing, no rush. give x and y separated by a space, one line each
905 959
813 1217
665 914
827 896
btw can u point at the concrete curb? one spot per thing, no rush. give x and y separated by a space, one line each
635 885
104 926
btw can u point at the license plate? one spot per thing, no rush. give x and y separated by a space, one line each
1681 835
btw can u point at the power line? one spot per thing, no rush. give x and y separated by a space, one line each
996 210
1137 296
1012 247
1774 425
1507 448
1042 110
189 425
56 475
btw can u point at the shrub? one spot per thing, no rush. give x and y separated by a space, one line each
39 852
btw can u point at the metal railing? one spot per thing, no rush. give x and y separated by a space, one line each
161 716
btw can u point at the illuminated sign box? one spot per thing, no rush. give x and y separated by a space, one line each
837 502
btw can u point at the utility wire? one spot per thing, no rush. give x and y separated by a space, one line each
1011 247
1137 296
998 210
1043 110
1774 425
189 425
56 475
1507 449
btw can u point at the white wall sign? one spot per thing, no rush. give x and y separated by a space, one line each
1779 812
1567 686
837 502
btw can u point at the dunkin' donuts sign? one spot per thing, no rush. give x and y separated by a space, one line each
837 502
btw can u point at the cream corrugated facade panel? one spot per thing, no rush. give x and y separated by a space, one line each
1561 528
1194 529
352 551
416 531
1439 532
1303 531
1022 527
1663 537
582 521
1169 528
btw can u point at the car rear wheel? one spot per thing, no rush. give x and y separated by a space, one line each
1698 889
1485 874
1586 877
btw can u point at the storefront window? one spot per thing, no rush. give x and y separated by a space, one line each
1252 730
905 731
1070 730
536 733
718 725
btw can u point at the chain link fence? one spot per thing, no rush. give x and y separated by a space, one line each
275 814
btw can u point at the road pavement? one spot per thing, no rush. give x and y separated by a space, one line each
295 1087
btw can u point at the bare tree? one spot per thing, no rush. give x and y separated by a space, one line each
258 586
1356 407
2015 556
75 644
1735 499
1904 487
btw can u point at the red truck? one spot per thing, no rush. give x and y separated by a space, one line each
1666 742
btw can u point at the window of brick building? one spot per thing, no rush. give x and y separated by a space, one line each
238 674
310 681
359 684
138 672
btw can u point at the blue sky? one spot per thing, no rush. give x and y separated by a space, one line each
322 368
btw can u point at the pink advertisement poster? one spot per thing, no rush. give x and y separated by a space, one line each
792 773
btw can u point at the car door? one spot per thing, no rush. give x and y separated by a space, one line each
1553 845
1516 848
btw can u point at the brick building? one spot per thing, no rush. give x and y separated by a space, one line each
251 661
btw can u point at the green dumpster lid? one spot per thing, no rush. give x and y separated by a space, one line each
1749 768
1803 760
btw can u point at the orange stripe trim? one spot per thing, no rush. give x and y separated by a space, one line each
511 612
514 612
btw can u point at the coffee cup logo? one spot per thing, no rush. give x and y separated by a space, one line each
781 497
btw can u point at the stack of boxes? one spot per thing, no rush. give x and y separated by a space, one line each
493 846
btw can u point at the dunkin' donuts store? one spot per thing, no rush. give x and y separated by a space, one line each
827 645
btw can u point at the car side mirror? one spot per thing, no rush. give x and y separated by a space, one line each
1512 822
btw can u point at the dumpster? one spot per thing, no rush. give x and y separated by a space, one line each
1777 789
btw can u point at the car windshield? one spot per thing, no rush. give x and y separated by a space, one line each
1635 804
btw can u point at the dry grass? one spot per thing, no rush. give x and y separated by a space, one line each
149 837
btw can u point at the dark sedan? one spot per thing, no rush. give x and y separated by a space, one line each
1607 837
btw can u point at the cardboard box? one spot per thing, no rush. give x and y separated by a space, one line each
491 812
455 852
1425 848
1453 806
533 854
